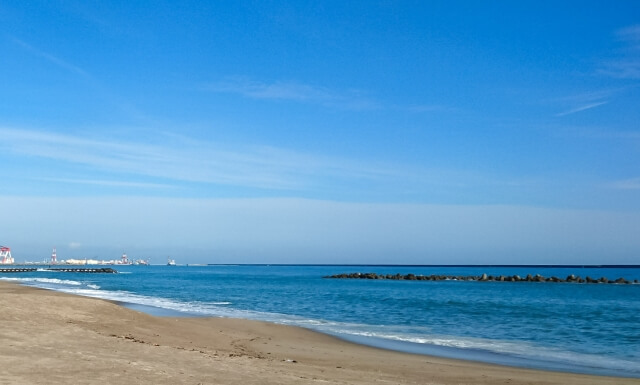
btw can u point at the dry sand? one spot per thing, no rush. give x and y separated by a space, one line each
54 338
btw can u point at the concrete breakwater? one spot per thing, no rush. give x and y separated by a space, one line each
481 278
63 269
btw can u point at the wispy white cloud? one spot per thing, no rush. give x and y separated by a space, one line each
293 91
420 108
108 183
623 69
626 184
581 108
51 58
306 93
183 159
596 132
589 96
584 101
619 134
626 64
125 106
277 90
630 35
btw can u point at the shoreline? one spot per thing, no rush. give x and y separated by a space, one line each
446 352
54 337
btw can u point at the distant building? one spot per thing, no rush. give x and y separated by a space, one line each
5 256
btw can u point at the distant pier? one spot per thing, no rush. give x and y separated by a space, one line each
63 269
17 269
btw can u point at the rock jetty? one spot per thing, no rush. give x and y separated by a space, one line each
481 278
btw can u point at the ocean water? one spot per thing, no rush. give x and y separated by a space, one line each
557 326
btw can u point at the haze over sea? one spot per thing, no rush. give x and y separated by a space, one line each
587 328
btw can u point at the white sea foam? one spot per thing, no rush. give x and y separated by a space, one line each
526 353
36 281
93 290
188 308
547 356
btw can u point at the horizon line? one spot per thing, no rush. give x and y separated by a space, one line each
420 265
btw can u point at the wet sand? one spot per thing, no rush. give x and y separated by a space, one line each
55 338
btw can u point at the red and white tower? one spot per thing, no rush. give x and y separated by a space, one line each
54 257
5 255
125 259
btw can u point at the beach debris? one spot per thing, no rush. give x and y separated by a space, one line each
481 278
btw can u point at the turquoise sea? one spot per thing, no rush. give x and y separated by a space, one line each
585 328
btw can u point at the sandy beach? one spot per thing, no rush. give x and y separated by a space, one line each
54 338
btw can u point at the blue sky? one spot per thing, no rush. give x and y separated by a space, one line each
338 132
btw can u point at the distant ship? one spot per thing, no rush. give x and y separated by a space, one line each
171 262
